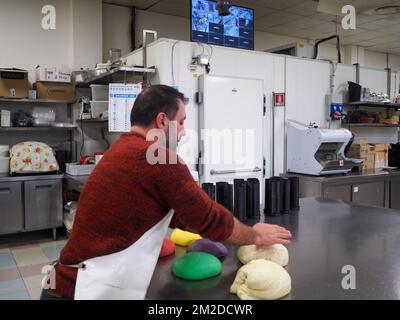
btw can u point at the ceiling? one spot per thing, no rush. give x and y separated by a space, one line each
300 19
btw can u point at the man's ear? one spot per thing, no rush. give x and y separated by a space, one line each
162 121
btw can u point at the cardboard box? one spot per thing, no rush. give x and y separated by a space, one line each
55 91
14 83
53 74
381 155
365 152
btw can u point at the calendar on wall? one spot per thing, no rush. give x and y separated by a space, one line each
121 100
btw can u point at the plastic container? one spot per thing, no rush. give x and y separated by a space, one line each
253 198
224 195
273 199
209 188
43 117
4 166
4 151
75 169
354 92
294 193
98 108
240 199
99 92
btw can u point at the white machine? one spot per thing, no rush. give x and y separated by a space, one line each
315 151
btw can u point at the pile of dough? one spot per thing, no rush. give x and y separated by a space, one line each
261 280
215 248
276 253
184 238
168 248
197 266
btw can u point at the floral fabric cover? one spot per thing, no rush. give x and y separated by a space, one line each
32 157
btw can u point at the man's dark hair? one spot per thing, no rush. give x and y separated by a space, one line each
154 100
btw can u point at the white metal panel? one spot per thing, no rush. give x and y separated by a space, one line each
344 73
231 120
307 84
374 79
224 62
279 140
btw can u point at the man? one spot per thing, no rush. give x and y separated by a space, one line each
126 196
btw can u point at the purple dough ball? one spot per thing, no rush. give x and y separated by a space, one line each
204 245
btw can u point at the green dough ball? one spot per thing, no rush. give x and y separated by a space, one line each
197 266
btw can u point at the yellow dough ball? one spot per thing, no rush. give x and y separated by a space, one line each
184 238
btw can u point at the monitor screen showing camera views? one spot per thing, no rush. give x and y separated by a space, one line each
235 30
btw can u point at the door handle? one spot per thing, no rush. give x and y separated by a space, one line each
5 190
44 187
216 172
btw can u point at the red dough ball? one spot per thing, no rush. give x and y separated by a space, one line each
167 248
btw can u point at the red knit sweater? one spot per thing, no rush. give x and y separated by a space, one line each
124 197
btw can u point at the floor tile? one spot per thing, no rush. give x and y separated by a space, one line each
35 293
53 252
10 274
16 295
33 282
7 261
27 257
12 286
30 271
25 245
53 243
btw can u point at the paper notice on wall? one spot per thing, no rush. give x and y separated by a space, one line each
122 98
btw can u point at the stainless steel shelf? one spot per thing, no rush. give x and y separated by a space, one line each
29 129
92 120
107 77
36 101
373 104
369 125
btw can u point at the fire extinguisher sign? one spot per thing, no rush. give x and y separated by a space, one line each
279 99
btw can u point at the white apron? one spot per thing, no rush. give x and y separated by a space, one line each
124 275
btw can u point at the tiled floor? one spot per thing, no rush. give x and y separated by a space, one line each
21 263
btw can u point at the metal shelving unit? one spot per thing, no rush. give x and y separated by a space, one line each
27 129
370 125
374 104
114 74
93 120
40 132
35 101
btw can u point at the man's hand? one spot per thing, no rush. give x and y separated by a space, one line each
269 234
260 234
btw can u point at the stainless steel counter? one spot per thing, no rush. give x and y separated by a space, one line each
75 183
367 187
31 178
327 235
353 176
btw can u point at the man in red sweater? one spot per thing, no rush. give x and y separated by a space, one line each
126 196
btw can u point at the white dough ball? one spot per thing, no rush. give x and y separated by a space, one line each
261 280
276 253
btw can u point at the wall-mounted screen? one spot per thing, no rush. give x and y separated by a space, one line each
235 30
